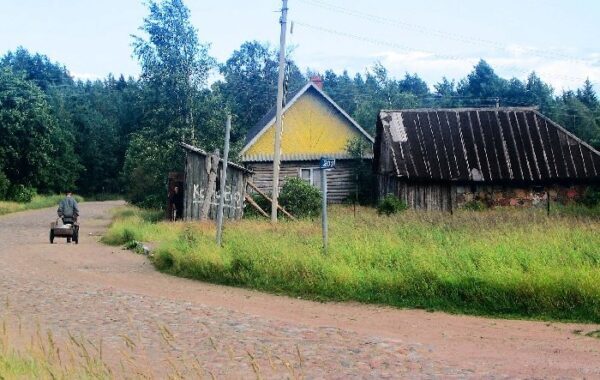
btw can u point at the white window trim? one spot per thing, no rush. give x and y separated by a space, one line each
311 170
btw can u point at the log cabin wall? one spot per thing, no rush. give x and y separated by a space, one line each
423 196
340 182
197 187
448 197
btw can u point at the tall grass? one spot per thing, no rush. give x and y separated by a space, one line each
499 262
48 355
38 201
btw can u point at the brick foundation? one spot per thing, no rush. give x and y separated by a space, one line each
521 197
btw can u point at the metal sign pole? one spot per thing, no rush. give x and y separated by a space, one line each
325 164
324 212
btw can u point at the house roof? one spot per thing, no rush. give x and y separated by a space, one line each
191 148
481 144
269 118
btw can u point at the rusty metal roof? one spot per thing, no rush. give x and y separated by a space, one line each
481 144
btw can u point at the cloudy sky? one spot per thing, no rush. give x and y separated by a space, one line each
433 38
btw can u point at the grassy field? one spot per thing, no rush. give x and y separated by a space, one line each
38 201
512 263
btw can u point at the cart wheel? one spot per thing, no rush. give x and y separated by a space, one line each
51 236
76 237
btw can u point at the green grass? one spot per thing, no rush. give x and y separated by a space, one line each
38 201
27 354
512 263
43 358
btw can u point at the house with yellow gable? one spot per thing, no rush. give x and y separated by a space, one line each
314 126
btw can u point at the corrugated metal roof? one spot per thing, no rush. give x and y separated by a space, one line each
195 149
482 144
300 157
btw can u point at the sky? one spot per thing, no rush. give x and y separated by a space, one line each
433 38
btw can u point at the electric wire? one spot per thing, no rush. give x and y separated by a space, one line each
436 32
515 69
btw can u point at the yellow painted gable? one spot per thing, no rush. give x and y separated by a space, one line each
310 126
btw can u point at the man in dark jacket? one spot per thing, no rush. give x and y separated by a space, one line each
68 210
176 201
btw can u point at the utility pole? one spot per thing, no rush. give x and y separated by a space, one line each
278 121
222 184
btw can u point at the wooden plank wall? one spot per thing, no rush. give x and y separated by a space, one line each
340 183
196 183
421 196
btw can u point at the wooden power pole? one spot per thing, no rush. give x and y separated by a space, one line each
222 190
278 120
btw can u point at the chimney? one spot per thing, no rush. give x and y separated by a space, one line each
317 81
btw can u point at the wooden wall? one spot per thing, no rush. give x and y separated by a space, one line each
340 183
196 188
422 196
439 196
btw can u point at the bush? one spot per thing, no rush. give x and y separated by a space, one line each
4 186
591 197
21 193
300 199
391 204
475 205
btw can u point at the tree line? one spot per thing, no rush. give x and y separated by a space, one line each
121 135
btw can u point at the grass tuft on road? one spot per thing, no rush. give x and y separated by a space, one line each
38 201
512 263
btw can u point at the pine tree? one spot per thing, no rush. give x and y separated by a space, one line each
587 96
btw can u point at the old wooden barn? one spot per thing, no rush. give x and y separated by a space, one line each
440 159
202 183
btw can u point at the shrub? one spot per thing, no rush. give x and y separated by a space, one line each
20 193
4 186
391 204
300 199
475 205
591 197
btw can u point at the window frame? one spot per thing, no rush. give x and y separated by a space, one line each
311 176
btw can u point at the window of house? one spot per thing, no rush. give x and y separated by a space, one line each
305 174
312 176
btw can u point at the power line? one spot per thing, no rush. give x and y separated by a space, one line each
411 49
435 32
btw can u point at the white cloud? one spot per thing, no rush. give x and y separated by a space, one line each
561 72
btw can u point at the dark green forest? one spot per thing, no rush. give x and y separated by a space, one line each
120 135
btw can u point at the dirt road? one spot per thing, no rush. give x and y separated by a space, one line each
106 293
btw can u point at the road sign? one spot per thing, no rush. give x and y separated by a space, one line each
327 163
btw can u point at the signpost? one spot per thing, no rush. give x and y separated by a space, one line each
325 164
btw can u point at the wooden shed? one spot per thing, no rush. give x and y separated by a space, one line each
440 159
202 183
